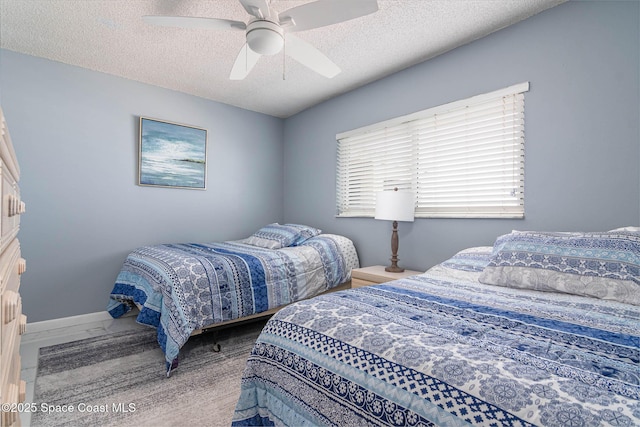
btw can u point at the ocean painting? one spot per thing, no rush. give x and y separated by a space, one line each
172 155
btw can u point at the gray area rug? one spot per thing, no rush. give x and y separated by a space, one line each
119 379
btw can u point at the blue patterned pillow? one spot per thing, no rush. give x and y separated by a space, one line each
470 259
276 236
304 232
602 265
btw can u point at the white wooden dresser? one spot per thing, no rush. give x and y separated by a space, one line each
12 265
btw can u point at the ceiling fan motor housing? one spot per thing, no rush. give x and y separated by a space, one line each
265 37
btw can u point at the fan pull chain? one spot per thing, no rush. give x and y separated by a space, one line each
284 62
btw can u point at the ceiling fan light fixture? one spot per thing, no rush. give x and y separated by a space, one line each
265 37
264 33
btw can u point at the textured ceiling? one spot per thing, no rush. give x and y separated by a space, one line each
110 36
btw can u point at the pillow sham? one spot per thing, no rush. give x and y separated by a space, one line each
276 236
602 265
470 259
304 232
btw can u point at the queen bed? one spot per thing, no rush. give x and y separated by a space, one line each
540 329
181 289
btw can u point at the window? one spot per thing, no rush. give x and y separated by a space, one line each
462 160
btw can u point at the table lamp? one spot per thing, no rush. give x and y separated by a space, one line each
395 206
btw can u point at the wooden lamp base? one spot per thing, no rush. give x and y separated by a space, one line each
393 268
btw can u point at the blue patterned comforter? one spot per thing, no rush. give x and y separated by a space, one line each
183 287
443 349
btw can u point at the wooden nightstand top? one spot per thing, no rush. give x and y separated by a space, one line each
377 274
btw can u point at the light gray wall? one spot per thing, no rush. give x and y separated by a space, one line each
75 133
582 133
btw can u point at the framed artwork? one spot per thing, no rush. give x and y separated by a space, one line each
172 155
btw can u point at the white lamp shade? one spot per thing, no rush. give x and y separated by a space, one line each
395 206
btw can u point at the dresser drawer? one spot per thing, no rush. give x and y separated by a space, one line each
12 208
11 266
7 153
12 393
10 358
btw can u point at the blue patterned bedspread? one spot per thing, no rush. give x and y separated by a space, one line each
183 287
443 349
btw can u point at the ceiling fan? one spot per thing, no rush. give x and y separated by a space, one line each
265 31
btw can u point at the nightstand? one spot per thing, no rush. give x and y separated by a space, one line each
375 274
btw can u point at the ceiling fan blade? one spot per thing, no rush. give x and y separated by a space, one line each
194 22
245 61
325 12
310 57
257 8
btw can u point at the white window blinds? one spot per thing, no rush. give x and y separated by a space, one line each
463 159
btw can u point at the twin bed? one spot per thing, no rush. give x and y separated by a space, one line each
181 289
540 329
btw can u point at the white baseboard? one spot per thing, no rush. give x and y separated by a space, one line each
65 322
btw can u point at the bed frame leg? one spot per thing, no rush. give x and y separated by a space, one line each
216 344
